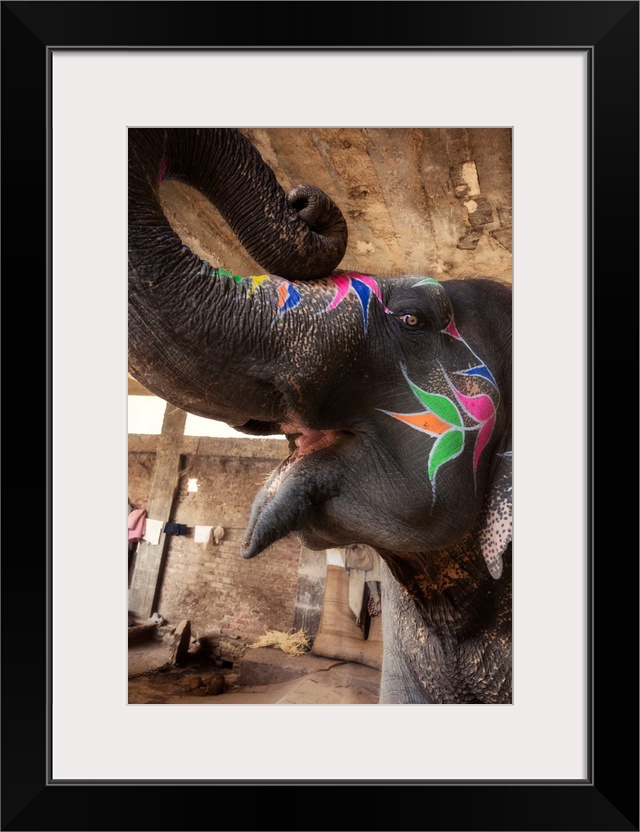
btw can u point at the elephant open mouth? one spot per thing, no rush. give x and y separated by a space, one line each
303 441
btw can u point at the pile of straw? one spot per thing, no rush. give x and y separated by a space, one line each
294 643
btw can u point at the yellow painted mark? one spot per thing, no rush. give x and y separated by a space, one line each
256 280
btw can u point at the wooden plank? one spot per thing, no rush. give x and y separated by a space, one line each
150 557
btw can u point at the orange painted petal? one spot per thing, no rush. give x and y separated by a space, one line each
428 422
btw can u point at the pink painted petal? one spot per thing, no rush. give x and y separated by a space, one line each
343 284
451 329
372 284
484 435
480 407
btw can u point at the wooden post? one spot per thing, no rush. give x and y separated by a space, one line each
147 574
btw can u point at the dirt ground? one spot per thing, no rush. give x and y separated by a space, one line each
259 676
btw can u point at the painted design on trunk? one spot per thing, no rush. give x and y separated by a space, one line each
288 297
291 293
225 273
256 280
362 285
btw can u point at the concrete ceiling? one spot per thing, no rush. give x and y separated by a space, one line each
432 201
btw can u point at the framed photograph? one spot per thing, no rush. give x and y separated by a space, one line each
563 77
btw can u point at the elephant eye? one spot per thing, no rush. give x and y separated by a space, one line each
410 320
411 315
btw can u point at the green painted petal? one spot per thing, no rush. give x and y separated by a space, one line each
440 405
445 447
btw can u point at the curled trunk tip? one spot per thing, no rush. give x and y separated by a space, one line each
319 212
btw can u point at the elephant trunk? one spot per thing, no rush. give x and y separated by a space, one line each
299 236
322 216
199 337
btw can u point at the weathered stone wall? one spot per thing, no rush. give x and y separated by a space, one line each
224 596
432 201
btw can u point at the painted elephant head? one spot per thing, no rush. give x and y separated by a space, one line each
395 394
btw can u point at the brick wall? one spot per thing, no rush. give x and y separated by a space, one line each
223 595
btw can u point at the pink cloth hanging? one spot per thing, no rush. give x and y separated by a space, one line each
137 524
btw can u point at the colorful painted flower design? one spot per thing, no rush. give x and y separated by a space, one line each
481 409
362 285
442 418
481 369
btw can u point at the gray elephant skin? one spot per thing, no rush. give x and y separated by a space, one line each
394 393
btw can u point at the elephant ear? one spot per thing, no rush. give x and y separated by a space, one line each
496 515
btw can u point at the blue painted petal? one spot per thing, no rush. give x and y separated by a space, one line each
483 371
364 293
293 299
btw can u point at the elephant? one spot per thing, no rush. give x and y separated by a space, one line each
394 394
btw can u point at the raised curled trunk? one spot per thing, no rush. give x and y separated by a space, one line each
184 316
301 236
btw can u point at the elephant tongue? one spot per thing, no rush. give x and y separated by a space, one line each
308 440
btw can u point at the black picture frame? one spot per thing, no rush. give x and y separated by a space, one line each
608 798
